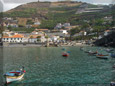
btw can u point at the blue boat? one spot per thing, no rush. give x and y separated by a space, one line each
14 75
113 55
112 83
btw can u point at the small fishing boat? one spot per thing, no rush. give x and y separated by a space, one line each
113 66
14 75
93 53
112 83
113 55
102 56
109 50
65 54
87 51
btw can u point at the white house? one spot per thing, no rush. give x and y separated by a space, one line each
17 38
64 31
34 38
37 38
66 24
58 26
82 33
55 38
37 23
43 39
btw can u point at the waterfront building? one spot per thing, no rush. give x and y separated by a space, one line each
16 38
36 38
55 38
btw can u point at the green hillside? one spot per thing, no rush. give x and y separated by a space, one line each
51 13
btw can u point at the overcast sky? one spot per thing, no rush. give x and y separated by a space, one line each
9 4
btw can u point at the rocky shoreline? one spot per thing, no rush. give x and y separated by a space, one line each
41 45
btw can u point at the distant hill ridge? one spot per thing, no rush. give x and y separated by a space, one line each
39 5
51 13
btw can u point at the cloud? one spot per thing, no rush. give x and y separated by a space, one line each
98 1
8 6
18 1
25 1
1 6
89 1
103 1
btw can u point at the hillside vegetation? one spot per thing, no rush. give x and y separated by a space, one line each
51 13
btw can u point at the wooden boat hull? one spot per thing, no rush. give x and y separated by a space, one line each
66 55
93 53
102 57
86 51
10 79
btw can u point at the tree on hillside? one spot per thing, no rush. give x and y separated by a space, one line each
74 31
85 26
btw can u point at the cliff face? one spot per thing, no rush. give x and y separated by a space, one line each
107 40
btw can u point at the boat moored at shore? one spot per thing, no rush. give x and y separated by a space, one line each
102 56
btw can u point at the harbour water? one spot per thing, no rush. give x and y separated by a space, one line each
46 67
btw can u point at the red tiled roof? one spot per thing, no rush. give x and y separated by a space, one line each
14 36
34 36
107 31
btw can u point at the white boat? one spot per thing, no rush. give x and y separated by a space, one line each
93 53
14 76
102 56
109 50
